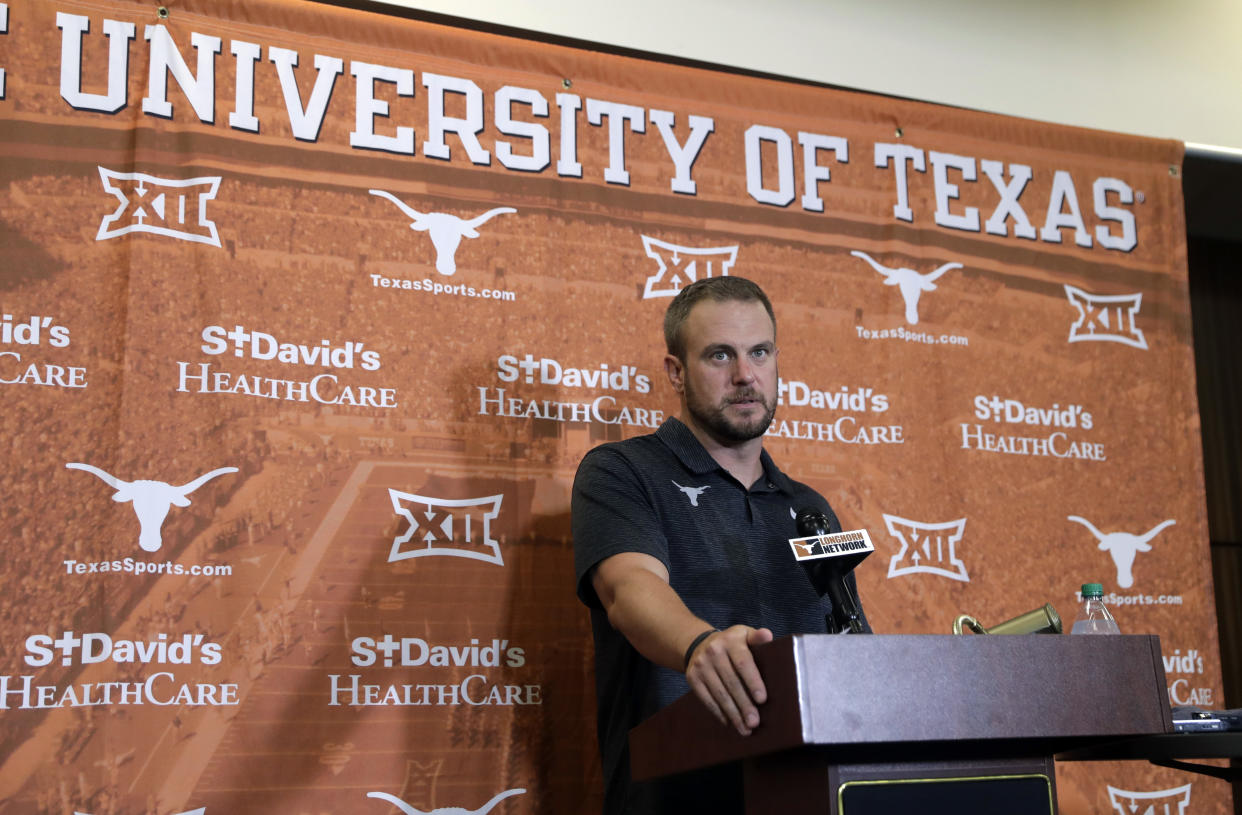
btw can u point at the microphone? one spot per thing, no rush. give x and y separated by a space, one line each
828 557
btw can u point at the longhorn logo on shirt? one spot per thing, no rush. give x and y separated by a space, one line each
409 810
1172 801
927 548
174 208
1106 318
440 526
692 493
910 283
682 265
1123 546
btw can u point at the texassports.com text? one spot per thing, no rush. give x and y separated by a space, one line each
901 333
435 287
1114 599
130 565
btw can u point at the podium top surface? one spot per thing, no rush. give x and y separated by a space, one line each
858 695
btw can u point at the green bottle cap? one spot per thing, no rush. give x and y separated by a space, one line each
1092 590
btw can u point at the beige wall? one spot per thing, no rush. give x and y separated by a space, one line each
1134 66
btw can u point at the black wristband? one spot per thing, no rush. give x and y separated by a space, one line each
695 644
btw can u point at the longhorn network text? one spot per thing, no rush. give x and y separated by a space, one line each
781 166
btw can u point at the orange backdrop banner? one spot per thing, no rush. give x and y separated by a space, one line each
309 314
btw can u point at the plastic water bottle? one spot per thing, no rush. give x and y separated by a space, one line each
1093 616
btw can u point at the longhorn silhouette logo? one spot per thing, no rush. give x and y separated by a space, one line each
808 549
151 499
1123 546
409 810
910 283
692 493
446 231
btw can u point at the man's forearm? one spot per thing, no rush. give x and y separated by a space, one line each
651 616
634 591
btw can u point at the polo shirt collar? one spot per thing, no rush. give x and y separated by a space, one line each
681 441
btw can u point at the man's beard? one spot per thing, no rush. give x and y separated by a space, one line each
712 418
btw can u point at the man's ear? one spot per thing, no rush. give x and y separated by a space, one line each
675 371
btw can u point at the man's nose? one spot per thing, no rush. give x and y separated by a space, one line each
743 371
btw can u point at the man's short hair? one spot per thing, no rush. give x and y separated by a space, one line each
717 289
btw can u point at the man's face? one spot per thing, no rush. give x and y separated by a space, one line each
729 381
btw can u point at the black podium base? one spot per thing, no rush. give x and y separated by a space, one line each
802 784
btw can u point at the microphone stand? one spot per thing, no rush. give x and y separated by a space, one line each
844 615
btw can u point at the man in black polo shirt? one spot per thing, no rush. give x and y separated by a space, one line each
681 546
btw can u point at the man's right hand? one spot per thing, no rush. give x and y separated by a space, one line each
723 676
634 591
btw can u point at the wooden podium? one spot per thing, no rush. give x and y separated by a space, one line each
862 725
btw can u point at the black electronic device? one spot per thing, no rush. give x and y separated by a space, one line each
1192 719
